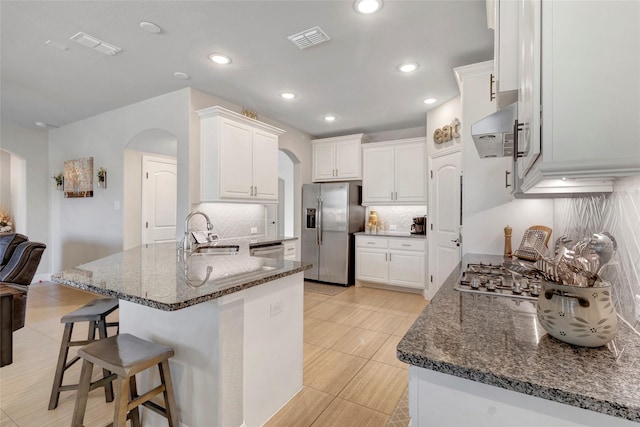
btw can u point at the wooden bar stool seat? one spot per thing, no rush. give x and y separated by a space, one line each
94 312
125 355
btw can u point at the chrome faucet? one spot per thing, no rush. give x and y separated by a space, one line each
186 241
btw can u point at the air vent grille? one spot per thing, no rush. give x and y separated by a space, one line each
308 38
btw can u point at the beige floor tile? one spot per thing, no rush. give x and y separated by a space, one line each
312 352
5 421
377 386
383 322
323 333
332 372
404 326
387 353
302 410
360 342
342 413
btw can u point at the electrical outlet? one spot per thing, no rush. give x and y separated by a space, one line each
254 230
275 308
637 308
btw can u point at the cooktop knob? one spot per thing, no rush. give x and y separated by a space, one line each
491 286
516 288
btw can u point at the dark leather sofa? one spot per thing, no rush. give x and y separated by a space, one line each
19 260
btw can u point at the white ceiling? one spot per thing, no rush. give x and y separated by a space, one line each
353 76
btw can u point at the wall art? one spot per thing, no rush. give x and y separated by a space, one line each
78 178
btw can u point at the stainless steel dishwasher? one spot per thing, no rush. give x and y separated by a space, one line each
268 250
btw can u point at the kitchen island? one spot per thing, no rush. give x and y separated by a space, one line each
234 322
486 361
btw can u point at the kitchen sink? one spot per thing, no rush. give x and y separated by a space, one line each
216 250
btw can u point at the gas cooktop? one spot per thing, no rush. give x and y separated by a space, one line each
512 280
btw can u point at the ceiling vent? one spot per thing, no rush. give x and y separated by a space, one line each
308 38
95 43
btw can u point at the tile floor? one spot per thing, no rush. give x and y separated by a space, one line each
351 375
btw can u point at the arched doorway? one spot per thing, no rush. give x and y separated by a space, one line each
13 189
148 182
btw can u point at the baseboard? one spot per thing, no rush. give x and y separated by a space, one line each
39 278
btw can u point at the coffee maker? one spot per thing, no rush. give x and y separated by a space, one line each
419 225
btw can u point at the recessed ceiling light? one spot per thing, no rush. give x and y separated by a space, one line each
429 100
56 45
150 27
367 6
45 125
219 58
330 118
180 75
408 67
288 95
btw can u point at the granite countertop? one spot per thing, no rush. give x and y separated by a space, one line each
404 234
154 275
499 342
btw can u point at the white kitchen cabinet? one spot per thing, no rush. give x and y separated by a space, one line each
480 174
290 250
391 261
337 159
578 105
238 158
394 172
505 52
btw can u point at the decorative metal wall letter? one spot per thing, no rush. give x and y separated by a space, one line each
447 132
78 178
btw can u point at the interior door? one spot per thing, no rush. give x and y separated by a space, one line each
159 196
445 218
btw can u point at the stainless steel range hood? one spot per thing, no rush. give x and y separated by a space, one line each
493 135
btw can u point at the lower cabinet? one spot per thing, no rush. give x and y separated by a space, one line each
391 261
290 250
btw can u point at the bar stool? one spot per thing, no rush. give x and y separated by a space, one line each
125 355
94 312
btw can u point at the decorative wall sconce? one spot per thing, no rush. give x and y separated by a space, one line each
447 133
59 179
102 177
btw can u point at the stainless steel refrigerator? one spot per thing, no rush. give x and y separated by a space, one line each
331 213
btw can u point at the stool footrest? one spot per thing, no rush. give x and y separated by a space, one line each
155 408
146 397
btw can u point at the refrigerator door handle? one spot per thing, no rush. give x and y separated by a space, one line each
320 217
318 221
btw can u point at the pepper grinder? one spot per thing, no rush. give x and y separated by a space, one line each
507 241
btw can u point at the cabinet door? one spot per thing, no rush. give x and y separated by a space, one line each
324 155
265 165
410 173
348 163
407 268
371 265
529 91
377 175
236 161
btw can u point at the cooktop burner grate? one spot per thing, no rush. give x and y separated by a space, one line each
505 280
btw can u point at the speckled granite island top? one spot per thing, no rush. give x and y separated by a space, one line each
498 342
155 276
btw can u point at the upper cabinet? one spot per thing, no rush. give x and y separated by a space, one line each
337 159
578 102
238 158
504 79
394 172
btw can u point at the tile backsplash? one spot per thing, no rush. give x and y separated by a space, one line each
231 219
400 217
619 214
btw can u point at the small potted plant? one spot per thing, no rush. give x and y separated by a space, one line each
102 177
59 178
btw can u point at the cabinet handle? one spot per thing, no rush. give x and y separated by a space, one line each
506 179
406 245
492 94
392 195
389 256
371 243
395 195
517 127
336 172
